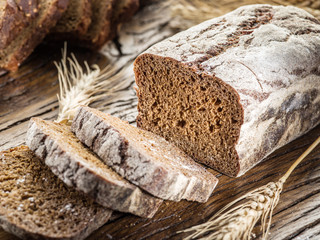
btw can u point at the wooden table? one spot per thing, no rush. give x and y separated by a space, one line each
32 92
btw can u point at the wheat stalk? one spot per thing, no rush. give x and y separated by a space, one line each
237 219
82 87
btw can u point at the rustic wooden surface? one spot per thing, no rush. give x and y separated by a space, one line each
32 92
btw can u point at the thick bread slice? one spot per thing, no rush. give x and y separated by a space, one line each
14 17
124 10
233 89
143 158
35 204
75 21
23 42
77 166
100 29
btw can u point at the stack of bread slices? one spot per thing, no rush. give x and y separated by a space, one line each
88 23
68 179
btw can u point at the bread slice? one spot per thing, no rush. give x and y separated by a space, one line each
35 204
233 89
14 17
106 17
77 166
75 21
100 29
24 37
124 10
143 158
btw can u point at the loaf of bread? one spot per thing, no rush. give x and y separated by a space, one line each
35 204
78 167
233 89
24 24
88 23
75 21
143 158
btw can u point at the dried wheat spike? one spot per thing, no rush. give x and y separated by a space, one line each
237 219
82 87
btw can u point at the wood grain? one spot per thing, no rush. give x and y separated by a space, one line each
32 92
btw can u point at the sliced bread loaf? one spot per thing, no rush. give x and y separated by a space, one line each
77 166
35 204
233 89
24 39
143 158
75 21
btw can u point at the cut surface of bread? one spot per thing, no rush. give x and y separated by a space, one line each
75 20
30 35
143 158
233 89
35 204
77 166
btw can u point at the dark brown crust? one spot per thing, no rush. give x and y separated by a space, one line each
118 12
99 38
125 11
37 35
16 15
81 27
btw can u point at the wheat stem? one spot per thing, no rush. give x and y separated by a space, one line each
295 164
237 219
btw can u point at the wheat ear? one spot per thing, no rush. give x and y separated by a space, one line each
82 87
237 219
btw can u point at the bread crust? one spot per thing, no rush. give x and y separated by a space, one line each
27 46
150 163
73 167
15 16
79 29
268 56
23 223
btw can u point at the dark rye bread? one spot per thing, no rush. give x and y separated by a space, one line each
100 29
124 10
35 204
14 17
233 89
143 158
106 19
75 21
78 167
23 41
